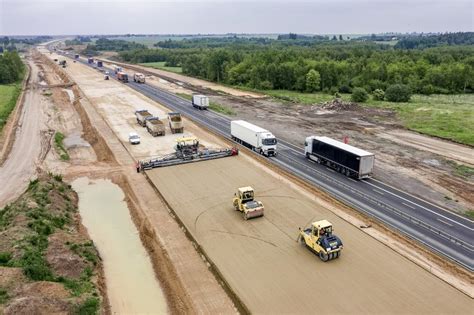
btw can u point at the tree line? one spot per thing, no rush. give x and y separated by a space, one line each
329 67
11 67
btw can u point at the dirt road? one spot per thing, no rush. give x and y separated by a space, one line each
32 141
271 272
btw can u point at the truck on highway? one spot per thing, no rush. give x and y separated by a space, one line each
139 77
200 101
76 56
155 126
122 76
175 122
90 60
342 157
99 63
142 115
254 137
117 69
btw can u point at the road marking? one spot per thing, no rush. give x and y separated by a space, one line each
378 191
409 206
352 179
330 169
426 201
444 222
420 206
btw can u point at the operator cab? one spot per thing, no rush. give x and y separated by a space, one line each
246 194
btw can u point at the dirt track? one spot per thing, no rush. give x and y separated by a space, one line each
30 141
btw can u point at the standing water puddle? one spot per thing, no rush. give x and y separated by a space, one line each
131 283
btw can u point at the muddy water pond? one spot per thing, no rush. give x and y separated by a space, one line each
131 284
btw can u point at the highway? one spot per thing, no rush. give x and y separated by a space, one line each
440 230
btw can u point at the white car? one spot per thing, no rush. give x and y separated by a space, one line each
133 138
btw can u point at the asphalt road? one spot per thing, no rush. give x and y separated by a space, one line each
440 230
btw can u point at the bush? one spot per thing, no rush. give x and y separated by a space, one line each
398 93
378 95
345 89
5 258
427 89
88 307
359 95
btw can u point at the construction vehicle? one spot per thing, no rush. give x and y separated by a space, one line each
175 122
142 115
106 77
122 76
187 150
244 202
155 126
200 101
342 157
62 63
319 239
139 77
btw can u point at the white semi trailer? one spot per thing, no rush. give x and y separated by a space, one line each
200 101
254 137
342 157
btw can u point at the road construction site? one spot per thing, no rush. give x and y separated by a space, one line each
259 260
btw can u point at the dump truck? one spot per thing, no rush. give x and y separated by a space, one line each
139 77
319 239
200 101
155 126
244 202
175 122
254 137
187 150
122 76
142 115
342 157
90 60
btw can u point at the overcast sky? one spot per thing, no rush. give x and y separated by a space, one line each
65 17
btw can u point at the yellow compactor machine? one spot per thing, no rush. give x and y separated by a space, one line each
244 202
319 238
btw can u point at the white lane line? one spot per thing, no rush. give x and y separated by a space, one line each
330 169
420 206
444 222
409 206
352 179
426 201
378 191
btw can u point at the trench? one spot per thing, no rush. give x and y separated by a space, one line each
130 279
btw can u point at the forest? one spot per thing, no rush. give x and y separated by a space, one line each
309 65
11 67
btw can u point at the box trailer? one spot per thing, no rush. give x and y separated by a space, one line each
155 126
122 76
139 77
342 157
142 115
254 137
200 101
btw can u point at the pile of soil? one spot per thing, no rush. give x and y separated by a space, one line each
338 104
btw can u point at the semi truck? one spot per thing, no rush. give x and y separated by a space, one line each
139 77
254 137
342 157
117 69
142 115
90 60
200 101
155 126
76 56
122 76
176 123
99 63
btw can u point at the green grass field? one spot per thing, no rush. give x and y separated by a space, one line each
445 116
8 95
161 66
